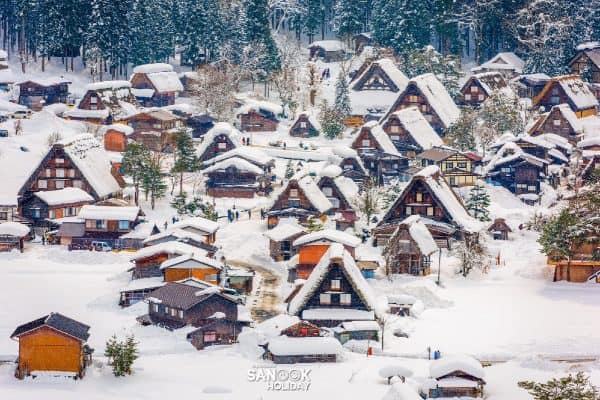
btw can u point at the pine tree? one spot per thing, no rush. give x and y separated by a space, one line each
258 33
152 182
342 96
289 170
310 20
332 122
479 202
313 225
498 114
209 212
427 60
112 349
179 203
572 387
130 354
135 159
367 202
461 134
348 18
185 156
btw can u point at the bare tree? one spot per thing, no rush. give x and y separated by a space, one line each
286 79
212 91
367 202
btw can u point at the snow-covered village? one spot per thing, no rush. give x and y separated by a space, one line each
300 199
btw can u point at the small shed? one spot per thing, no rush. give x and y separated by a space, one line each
400 304
357 330
327 50
218 331
499 229
12 236
302 329
367 267
455 376
287 350
306 125
53 344
282 237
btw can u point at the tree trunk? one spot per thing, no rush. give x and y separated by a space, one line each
136 195
180 183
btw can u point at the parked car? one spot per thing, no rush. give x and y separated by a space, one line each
3 133
101 246
21 114
3 116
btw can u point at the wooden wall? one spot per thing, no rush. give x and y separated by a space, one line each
45 349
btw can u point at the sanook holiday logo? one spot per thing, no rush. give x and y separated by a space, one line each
281 379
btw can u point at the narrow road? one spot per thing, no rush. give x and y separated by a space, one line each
267 299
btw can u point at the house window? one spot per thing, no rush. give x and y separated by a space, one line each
180 314
210 337
100 224
557 122
430 211
93 107
294 202
336 284
3 216
408 210
532 188
474 89
327 191
554 92
173 312
293 192
167 310
59 160
211 277
325 298
155 307
555 100
42 184
413 98
428 117
222 146
93 100
302 125
51 214
467 97
48 172
481 97
123 224
366 143
521 186
345 299
462 165
157 126
449 165
506 170
36 213
395 129
424 107
71 173
395 138
59 184
60 173
419 197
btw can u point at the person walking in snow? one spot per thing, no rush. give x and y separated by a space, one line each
249 214
166 224
237 215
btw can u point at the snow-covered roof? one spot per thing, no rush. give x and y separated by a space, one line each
591 141
141 231
165 247
382 138
570 116
234 162
588 46
257 105
108 85
347 186
220 128
255 155
371 102
312 118
14 229
452 363
578 91
405 299
344 151
162 76
192 261
63 196
109 213
418 127
328 235
330 170
335 252
509 152
353 326
503 61
450 201
314 194
389 68
273 326
198 223
328 45
144 283
286 228
176 233
126 129
76 112
288 346
337 314
92 160
438 98
420 234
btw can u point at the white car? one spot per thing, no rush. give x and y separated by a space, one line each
21 114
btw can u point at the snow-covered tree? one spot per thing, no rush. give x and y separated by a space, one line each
472 253
572 387
185 156
498 114
152 182
367 201
461 134
258 32
342 95
348 18
332 122
212 90
314 225
427 60
135 159
478 202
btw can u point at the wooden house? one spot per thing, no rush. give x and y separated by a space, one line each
183 236
200 124
42 92
177 304
8 209
252 155
116 137
547 146
312 246
327 50
216 332
361 40
138 289
455 376
428 195
55 204
517 170
430 96
379 155
288 350
410 132
584 266
529 86
155 85
301 198
156 129
282 237
479 87
306 125
351 164
409 249
561 121
220 139
357 330
341 193
195 265
499 229
13 236
335 292
200 226
78 162
586 63
104 103
457 168
148 260
375 90
53 344
506 63
401 304
258 116
237 178
239 279
571 90
302 329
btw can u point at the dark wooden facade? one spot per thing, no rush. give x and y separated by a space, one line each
331 190
457 168
499 229
302 329
520 176
36 95
219 144
292 202
283 250
258 121
586 64
37 211
408 258
217 332
234 182
454 390
554 94
303 127
352 168
556 122
115 140
158 99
